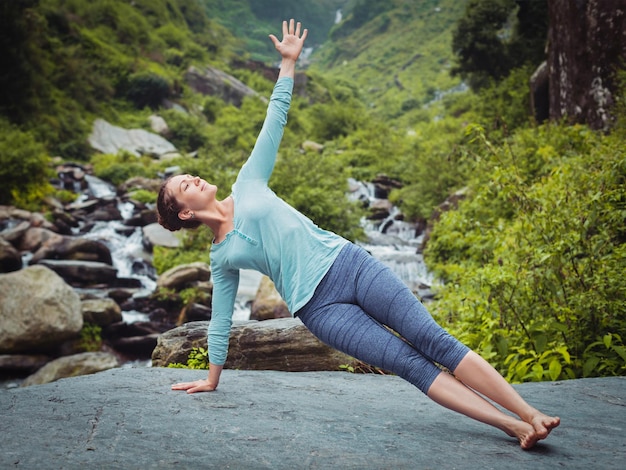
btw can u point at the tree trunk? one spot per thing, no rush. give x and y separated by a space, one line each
587 44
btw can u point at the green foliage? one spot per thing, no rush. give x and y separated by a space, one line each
90 338
144 196
316 184
194 247
122 166
495 36
23 167
533 259
395 59
198 359
67 61
147 89
251 22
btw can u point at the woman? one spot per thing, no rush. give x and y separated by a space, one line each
343 295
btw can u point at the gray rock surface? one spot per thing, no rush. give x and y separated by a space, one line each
107 138
131 419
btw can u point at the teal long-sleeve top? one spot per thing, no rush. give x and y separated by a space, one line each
269 235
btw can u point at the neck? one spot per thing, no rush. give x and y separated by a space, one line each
221 221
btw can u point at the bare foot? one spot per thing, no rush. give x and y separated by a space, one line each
525 433
543 424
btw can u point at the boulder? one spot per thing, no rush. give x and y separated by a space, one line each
36 237
215 82
155 235
184 275
280 344
10 258
101 312
73 248
268 303
22 363
107 138
38 310
16 230
82 272
72 366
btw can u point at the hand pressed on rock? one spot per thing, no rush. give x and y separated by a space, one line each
196 386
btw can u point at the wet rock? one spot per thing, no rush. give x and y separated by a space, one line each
101 312
22 363
10 258
82 272
73 248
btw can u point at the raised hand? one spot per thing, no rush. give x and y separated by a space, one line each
293 40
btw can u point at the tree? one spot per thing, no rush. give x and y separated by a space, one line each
496 36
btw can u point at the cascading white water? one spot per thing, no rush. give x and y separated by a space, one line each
394 242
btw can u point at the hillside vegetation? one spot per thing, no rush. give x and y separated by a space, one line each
531 262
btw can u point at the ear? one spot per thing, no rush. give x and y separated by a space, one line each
185 214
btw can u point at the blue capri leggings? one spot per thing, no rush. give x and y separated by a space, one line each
356 298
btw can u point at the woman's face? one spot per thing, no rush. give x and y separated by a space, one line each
192 193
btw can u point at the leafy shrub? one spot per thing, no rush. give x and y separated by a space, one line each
121 167
146 89
198 359
533 260
144 196
23 167
194 247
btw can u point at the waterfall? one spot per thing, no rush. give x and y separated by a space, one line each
394 242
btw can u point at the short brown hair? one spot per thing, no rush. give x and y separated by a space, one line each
168 209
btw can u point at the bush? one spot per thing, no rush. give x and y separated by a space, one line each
533 261
146 89
23 167
120 167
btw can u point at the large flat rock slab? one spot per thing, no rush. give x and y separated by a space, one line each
129 418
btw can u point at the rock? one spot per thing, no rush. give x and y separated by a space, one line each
143 218
280 344
10 258
184 275
21 363
35 237
140 182
158 125
268 303
107 138
15 232
38 310
72 366
383 186
139 347
82 272
198 312
101 312
155 235
380 209
309 145
215 82
73 248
